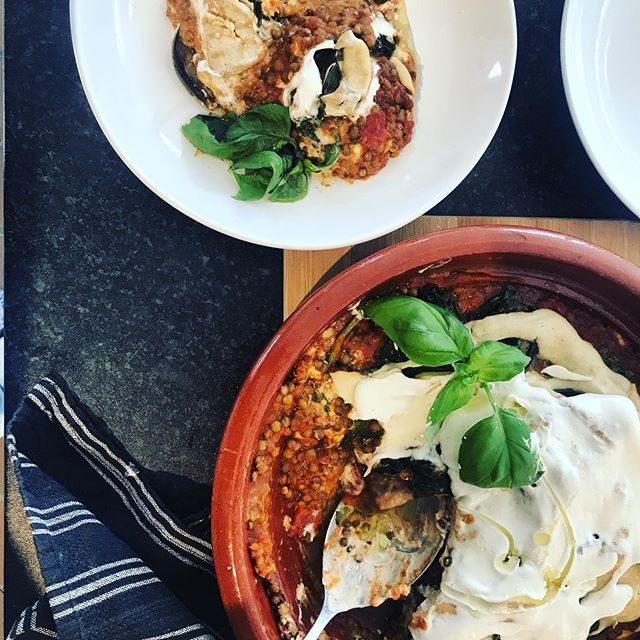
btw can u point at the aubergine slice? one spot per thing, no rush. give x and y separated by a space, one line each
183 61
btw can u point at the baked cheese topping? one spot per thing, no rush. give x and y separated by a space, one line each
542 561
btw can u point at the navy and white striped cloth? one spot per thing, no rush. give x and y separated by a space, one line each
117 562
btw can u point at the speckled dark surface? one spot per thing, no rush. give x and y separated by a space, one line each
155 320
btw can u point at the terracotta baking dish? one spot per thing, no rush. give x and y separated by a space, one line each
581 272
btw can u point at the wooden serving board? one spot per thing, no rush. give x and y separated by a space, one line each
305 270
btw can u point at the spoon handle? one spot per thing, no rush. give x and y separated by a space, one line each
324 618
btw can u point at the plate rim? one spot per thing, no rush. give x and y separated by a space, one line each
410 215
569 83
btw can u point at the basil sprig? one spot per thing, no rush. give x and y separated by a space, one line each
497 451
266 160
427 334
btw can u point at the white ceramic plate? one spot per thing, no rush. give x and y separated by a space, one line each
467 50
601 71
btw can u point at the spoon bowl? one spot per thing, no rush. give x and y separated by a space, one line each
370 558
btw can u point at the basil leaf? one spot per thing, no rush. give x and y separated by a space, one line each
330 158
268 160
496 361
454 395
293 187
218 126
198 133
267 127
497 452
460 333
259 143
428 334
251 186
265 120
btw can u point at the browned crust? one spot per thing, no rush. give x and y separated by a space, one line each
180 12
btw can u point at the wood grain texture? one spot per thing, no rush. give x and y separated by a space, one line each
306 270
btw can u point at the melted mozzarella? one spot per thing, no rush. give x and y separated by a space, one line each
382 27
562 373
526 562
302 94
369 100
400 404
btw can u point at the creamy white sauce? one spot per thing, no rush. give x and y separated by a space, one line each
307 84
382 27
562 373
400 404
525 562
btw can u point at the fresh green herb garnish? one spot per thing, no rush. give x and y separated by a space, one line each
429 335
294 186
266 159
497 451
496 361
455 395
268 168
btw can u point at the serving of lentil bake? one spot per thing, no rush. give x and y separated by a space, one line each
312 454
345 69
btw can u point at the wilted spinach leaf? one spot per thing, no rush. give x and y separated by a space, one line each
330 158
383 47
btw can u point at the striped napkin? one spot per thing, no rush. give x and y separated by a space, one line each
117 562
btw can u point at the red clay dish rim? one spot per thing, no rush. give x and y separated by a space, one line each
244 598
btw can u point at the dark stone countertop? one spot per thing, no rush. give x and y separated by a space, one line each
155 320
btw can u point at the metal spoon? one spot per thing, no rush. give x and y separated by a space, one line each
368 559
